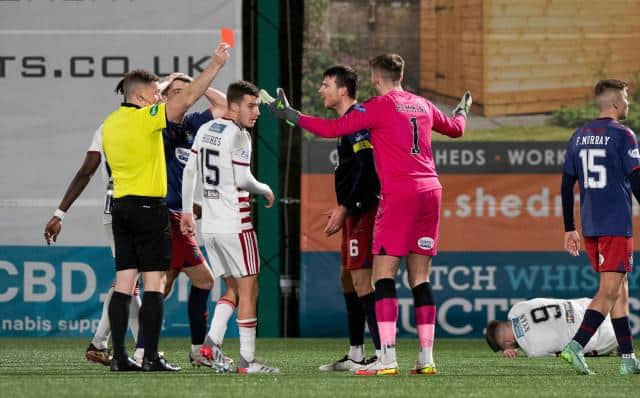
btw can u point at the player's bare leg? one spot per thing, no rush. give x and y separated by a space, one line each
385 269
603 302
171 277
419 269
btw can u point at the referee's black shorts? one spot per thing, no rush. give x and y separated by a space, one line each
141 233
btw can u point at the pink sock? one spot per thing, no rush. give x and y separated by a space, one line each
387 316
425 322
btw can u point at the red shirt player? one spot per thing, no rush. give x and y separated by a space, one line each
407 221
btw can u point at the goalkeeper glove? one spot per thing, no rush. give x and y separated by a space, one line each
464 106
280 107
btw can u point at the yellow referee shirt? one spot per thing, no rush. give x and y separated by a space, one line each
132 145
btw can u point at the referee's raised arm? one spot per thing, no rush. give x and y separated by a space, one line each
178 104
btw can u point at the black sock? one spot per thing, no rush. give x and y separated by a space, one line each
423 295
118 319
151 314
355 319
198 314
623 334
590 323
369 304
385 288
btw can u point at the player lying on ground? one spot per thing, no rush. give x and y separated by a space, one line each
221 156
407 222
543 327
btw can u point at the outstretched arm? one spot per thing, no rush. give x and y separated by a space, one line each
178 105
331 128
362 119
75 188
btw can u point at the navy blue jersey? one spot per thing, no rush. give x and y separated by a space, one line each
601 155
356 182
178 138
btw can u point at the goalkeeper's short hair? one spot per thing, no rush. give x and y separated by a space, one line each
389 66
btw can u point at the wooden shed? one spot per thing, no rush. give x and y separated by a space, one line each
527 56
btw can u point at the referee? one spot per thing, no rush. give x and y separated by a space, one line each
133 148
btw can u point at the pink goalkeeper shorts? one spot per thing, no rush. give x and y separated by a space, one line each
407 222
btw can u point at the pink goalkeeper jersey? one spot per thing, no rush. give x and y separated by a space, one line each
400 124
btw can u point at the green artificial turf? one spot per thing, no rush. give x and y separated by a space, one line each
47 367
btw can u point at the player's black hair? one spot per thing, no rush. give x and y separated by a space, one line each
345 77
181 78
492 335
132 78
609 84
237 90
389 66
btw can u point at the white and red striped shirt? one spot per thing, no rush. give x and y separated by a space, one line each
218 145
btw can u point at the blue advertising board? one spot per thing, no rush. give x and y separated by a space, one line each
59 291
470 289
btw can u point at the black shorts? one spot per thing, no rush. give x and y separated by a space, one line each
141 233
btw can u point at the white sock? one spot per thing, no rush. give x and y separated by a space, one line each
379 353
138 355
134 312
356 353
388 355
221 315
425 356
196 347
247 331
101 338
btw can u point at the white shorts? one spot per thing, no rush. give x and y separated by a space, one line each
234 255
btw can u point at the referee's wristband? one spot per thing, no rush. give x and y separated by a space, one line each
59 213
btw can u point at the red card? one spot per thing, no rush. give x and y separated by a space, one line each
226 35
